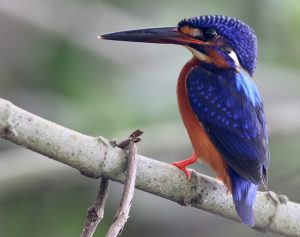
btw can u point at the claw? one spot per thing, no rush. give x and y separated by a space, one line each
183 164
187 173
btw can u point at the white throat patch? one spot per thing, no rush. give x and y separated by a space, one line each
201 56
205 58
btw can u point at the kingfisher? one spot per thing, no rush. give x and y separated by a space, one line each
219 102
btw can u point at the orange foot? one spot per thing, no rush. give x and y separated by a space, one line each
184 163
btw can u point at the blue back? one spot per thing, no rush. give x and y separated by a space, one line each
229 106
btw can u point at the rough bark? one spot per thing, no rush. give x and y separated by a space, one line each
96 157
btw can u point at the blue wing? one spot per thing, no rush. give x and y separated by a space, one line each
229 106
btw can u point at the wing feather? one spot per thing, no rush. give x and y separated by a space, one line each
229 106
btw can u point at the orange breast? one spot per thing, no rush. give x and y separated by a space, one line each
203 147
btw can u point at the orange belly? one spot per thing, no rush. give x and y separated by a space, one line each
203 147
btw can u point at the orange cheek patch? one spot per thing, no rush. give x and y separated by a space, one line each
186 30
190 31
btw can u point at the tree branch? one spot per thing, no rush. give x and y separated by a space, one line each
127 196
95 157
96 212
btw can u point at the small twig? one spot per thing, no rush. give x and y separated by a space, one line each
96 212
134 137
123 212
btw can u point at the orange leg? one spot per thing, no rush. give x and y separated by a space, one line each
184 163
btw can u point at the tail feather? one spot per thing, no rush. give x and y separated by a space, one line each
243 194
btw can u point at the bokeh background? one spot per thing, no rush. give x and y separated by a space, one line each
52 64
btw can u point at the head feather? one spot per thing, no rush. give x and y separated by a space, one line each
237 34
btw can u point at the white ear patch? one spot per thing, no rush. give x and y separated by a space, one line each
235 59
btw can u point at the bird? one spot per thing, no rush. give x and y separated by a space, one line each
218 101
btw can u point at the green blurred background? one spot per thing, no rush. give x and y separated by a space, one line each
53 65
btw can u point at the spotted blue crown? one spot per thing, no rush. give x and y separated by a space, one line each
238 35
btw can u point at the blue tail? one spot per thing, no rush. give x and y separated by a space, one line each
243 194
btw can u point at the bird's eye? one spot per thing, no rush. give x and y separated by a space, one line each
209 34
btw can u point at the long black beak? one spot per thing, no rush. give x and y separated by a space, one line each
166 35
